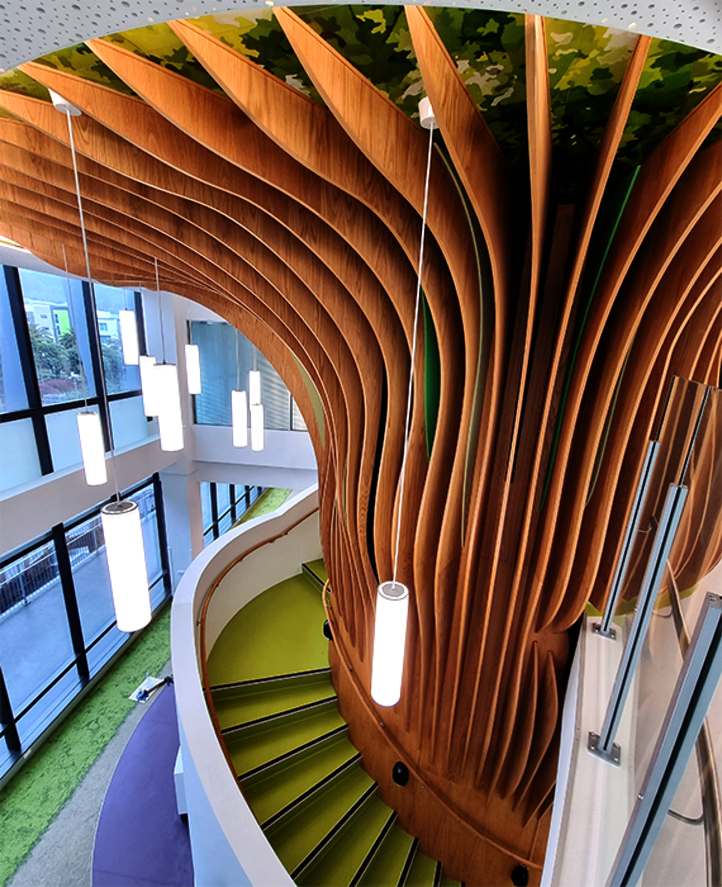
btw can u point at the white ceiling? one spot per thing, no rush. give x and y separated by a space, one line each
31 28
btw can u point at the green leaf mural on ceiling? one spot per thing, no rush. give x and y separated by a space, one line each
586 66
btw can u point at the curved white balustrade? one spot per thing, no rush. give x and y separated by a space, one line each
227 843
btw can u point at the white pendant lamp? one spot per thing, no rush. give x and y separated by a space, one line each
92 447
392 611
126 563
148 385
392 598
121 520
193 369
257 436
170 421
129 337
239 418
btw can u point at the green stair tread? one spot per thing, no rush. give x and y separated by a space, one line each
388 863
339 862
243 704
294 836
272 790
448 882
280 631
318 567
422 872
257 745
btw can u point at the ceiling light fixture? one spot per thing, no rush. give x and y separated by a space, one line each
193 369
256 407
392 598
129 336
122 530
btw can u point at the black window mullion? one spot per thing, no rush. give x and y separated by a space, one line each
10 730
214 510
139 322
27 362
67 584
162 533
232 496
96 359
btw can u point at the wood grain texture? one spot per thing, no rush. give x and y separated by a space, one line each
300 223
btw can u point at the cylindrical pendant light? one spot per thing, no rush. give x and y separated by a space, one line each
239 418
392 611
92 447
126 563
256 426
149 385
254 387
170 421
392 599
193 369
129 337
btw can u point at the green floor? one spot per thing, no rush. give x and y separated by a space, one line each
246 649
35 795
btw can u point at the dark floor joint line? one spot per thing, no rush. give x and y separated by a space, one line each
437 875
325 841
251 682
267 719
311 791
319 740
411 855
388 825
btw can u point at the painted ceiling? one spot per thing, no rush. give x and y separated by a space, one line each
586 65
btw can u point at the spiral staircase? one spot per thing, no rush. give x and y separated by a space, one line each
275 707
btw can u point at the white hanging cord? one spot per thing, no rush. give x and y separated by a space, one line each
238 365
71 309
160 313
104 396
413 354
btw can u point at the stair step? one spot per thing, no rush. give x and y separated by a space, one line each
422 872
303 830
248 703
277 786
389 863
342 856
316 571
261 743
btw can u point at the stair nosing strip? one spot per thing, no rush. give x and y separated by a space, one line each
254 771
266 719
331 834
315 575
279 814
437 874
251 682
374 849
410 857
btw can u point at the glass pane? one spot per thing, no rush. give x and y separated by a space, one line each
104 649
275 397
206 505
19 462
12 385
149 522
223 498
225 523
58 335
86 547
64 441
128 420
109 301
297 422
33 618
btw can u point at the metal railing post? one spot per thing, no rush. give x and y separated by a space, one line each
696 684
603 744
604 628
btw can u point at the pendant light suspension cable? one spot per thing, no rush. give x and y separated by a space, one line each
71 309
160 313
413 354
102 383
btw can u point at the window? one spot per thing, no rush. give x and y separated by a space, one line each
55 597
220 374
223 505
